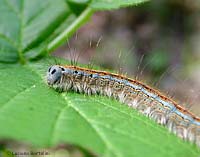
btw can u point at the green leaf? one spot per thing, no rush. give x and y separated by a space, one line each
27 27
32 112
114 4
30 29
104 4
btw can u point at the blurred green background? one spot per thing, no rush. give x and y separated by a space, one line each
157 42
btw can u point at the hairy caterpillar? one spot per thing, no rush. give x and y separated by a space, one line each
131 92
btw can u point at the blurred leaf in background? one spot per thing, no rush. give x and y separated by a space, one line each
27 27
158 62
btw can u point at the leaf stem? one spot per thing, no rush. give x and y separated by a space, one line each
60 39
21 57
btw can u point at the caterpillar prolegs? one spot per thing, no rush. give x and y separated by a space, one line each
128 91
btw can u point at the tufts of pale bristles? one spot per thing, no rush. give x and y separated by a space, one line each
130 92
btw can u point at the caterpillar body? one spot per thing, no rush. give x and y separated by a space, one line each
135 94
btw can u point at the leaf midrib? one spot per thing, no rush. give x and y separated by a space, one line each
108 145
126 133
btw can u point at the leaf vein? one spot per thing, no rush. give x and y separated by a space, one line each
128 114
94 127
12 8
10 41
16 95
38 14
129 135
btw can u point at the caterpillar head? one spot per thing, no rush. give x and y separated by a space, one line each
54 74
